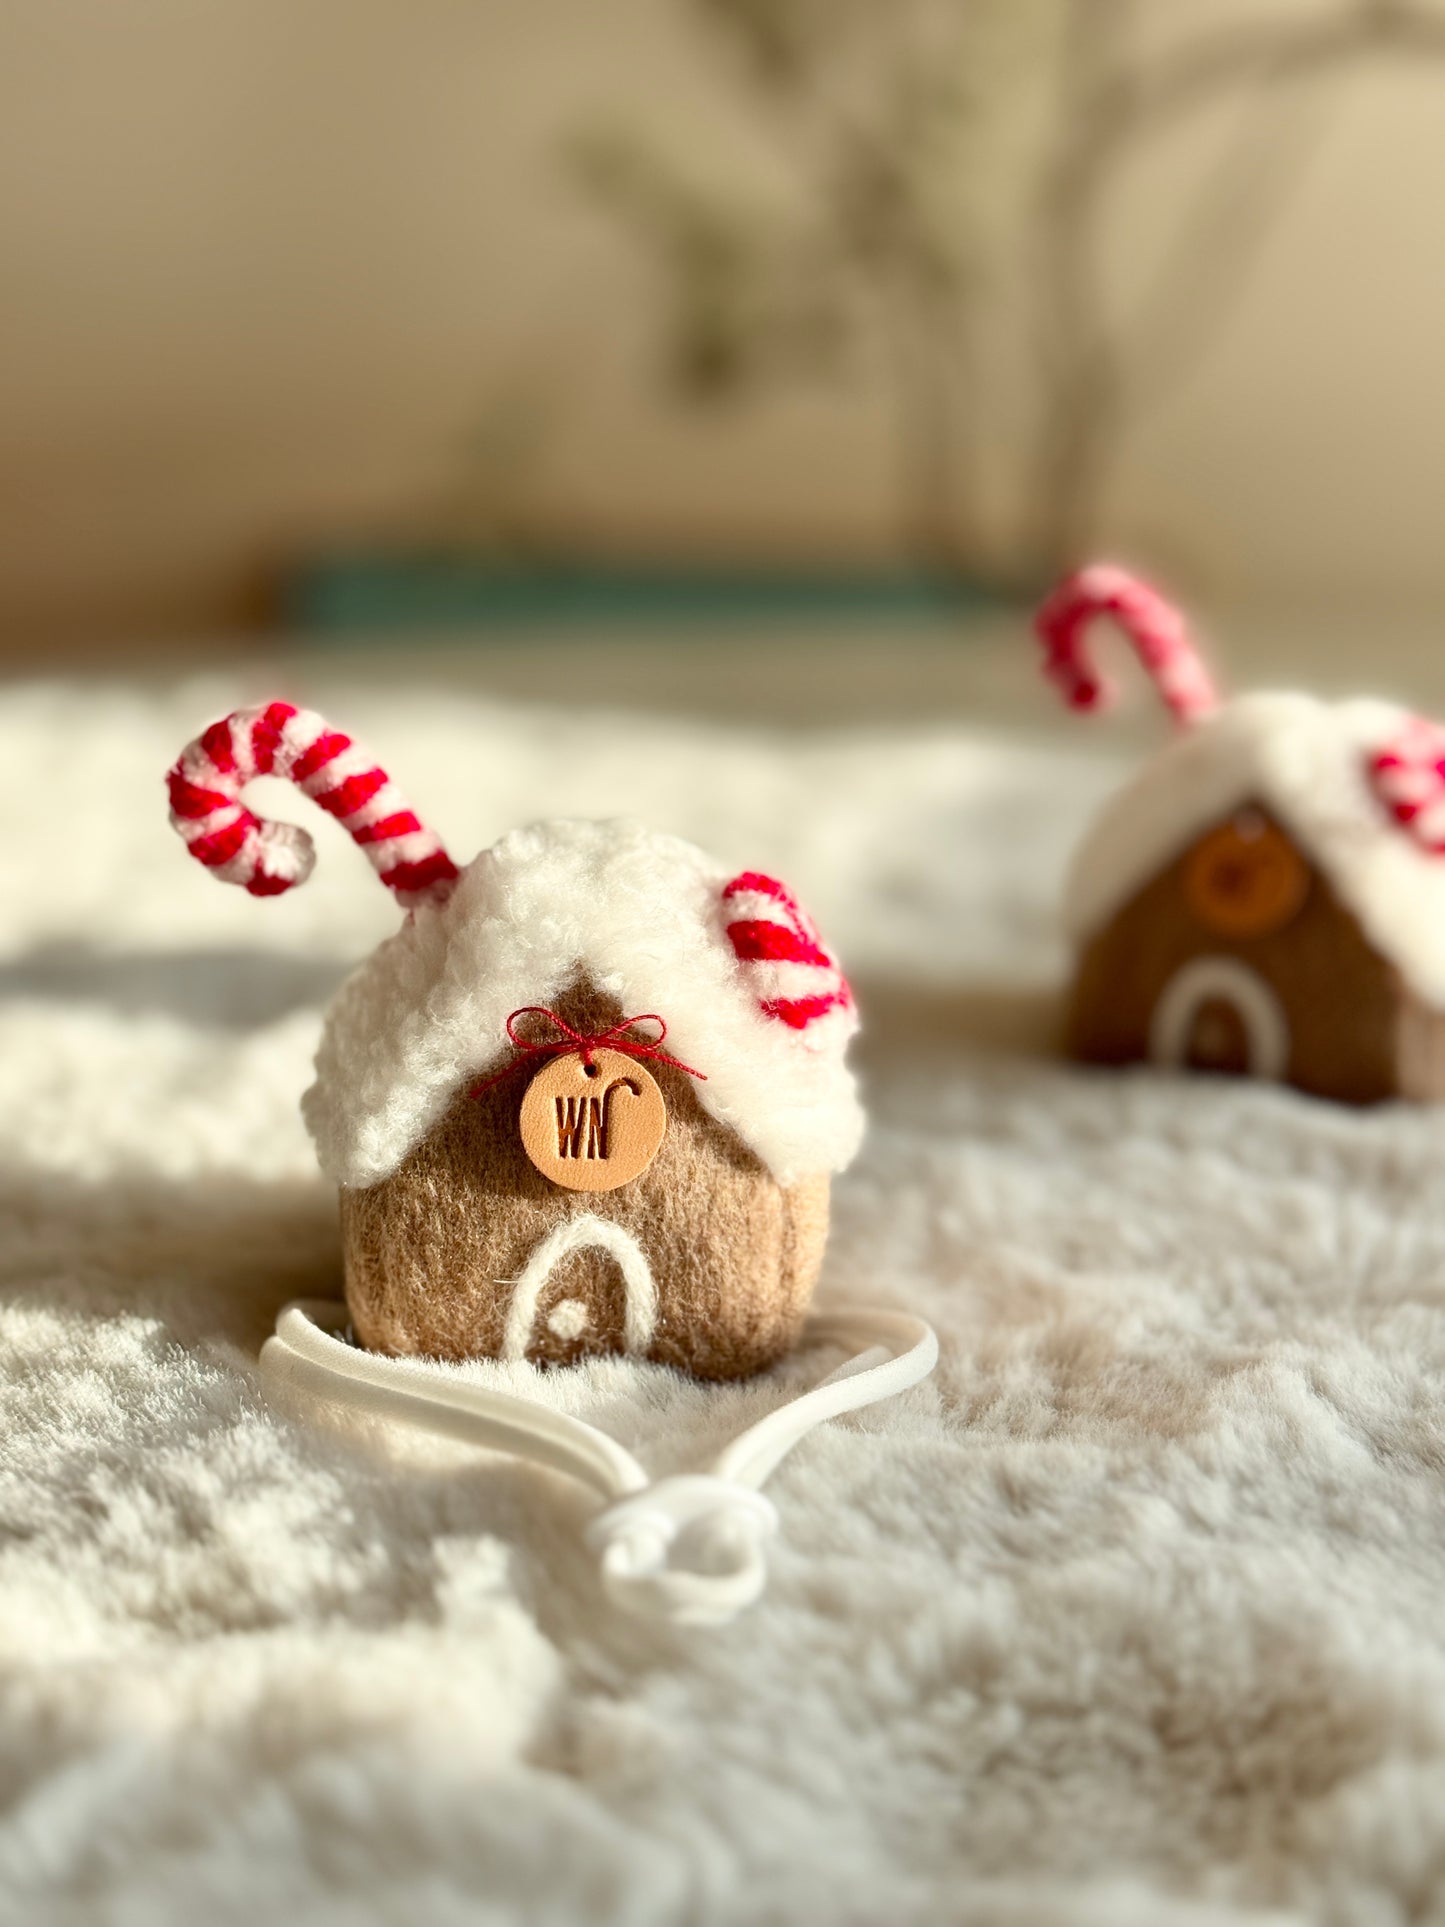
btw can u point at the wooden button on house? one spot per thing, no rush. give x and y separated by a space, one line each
592 1125
1246 878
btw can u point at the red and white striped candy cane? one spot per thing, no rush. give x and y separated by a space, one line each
336 773
1407 773
796 978
1155 627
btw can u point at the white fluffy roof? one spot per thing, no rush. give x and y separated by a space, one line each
642 914
1306 761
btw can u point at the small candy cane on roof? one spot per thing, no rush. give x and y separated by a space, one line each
339 776
794 976
1156 629
1408 775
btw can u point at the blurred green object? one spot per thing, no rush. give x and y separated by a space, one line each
344 594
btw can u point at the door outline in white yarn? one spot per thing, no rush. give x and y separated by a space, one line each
584 1232
1227 980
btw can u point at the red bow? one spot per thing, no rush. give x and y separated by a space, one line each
574 1040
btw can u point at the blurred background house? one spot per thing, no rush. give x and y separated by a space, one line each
520 314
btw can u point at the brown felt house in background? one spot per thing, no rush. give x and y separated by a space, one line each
1251 903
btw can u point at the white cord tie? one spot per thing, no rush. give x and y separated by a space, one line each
688 1548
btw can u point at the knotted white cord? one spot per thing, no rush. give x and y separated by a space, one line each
687 1548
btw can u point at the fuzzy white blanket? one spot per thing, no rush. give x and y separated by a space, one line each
1130 1617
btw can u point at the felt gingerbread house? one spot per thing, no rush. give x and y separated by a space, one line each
1266 896
526 1168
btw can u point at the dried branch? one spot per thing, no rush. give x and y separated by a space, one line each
1177 84
1112 107
875 243
1216 242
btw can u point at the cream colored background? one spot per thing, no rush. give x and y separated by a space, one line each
268 264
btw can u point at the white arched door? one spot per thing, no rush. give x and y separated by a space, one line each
568 1319
1224 980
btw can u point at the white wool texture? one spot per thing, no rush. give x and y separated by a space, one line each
638 911
1308 762
1129 1617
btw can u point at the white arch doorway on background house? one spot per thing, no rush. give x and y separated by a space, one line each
568 1319
1225 980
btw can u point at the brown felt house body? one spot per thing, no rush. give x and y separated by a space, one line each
1251 902
456 1244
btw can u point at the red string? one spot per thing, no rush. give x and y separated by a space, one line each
584 1044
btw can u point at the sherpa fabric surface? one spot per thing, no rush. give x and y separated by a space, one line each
1131 1617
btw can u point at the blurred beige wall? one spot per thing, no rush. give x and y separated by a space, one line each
268 265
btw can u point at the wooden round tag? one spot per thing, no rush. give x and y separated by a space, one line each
1246 878
593 1127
